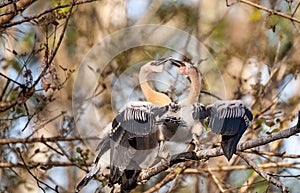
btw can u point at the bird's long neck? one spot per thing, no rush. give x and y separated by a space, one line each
150 94
194 93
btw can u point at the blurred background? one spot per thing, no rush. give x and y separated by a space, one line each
243 50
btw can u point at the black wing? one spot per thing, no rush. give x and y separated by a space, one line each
135 120
134 123
133 129
228 118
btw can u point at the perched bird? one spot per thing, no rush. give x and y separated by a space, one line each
136 131
227 118
134 140
137 117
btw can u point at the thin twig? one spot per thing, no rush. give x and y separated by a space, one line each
50 147
4 89
38 181
157 186
44 165
242 167
42 139
21 85
296 9
210 94
274 154
216 180
48 63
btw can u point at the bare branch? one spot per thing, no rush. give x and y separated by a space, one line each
268 138
14 8
42 165
38 181
44 140
216 180
293 19
274 154
206 154
242 167
167 179
28 19
262 173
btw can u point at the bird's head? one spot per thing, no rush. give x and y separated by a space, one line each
184 67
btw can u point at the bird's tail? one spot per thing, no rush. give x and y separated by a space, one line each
102 147
87 178
229 144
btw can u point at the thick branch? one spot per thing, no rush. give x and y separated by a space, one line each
268 138
205 154
14 9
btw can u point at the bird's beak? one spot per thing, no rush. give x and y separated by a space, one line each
181 65
177 63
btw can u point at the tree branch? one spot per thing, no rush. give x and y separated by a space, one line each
262 173
241 167
206 154
43 165
38 181
44 140
271 11
28 19
14 8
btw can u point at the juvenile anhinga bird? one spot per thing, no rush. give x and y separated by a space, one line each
136 131
133 142
133 130
227 118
